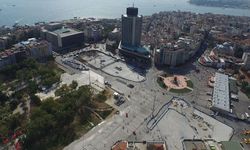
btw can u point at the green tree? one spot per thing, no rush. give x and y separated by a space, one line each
64 89
29 63
13 122
101 97
3 98
238 52
247 88
32 87
35 100
50 106
74 84
244 84
40 126
85 95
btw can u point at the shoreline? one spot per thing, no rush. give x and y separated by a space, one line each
75 18
219 6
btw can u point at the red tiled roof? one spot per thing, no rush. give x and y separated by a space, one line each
120 146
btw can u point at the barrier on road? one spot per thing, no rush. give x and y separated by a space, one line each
162 111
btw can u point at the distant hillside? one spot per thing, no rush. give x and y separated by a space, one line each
243 4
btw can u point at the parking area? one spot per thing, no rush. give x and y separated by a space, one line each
73 63
121 69
241 106
97 59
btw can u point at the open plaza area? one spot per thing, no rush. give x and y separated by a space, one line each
189 119
82 78
186 123
97 59
120 69
111 65
171 80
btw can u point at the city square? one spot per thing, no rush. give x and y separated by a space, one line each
171 80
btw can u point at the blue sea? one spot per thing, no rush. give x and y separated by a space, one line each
31 11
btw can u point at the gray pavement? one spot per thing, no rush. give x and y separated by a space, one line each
142 100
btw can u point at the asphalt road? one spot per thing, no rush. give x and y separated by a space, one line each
141 102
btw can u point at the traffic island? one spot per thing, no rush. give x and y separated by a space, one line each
176 83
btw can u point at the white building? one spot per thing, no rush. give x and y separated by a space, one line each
221 98
224 49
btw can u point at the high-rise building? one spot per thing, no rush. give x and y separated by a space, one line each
131 27
131 34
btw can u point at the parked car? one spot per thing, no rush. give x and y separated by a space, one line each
210 94
119 102
107 83
131 86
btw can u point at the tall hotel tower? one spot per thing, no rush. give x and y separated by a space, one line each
131 35
131 28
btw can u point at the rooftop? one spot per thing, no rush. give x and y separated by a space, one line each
124 145
115 30
221 98
32 42
63 32
137 51
120 146
231 145
141 50
191 145
8 53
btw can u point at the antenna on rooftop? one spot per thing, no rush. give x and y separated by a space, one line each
134 3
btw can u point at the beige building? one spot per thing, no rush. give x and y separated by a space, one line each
39 50
165 56
177 53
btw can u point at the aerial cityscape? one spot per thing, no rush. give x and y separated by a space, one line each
170 80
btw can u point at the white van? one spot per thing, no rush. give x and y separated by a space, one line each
247 115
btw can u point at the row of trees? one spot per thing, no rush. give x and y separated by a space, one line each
30 69
245 88
32 74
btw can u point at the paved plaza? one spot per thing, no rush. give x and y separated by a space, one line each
112 66
145 100
120 69
178 123
97 59
82 78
